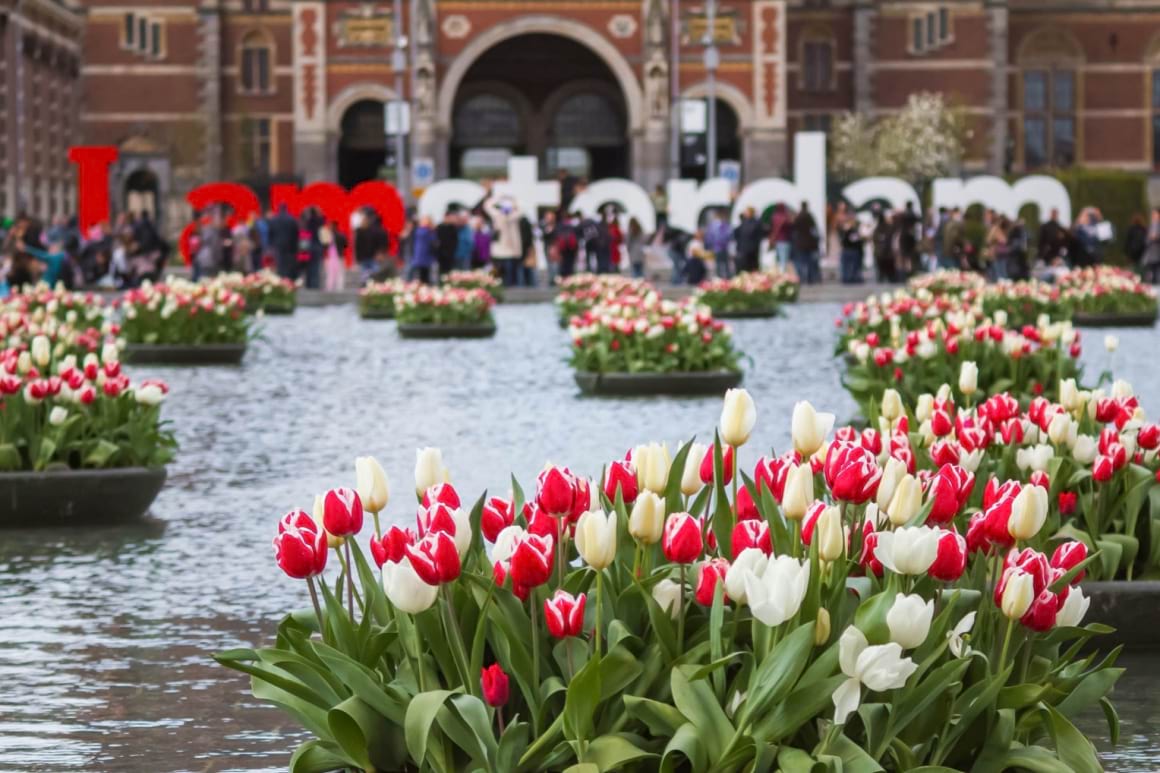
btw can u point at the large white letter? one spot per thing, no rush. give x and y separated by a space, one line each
626 194
995 193
687 200
809 185
523 185
895 192
438 197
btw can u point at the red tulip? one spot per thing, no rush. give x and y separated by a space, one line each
951 559
393 545
709 574
752 533
772 473
950 489
342 513
495 685
437 517
540 523
810 520
497 515
300 546
556 491
868 561
1011 431
726 465
1068 556
501 570
1148 437
944 452
1040 616
977 535
940 424
1040 478
852 473
621 476
443 493
1102 469
1067 502
745 507
997 515
532 559
434 558
1032 562
682 540
564 614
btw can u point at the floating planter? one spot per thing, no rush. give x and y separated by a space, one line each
81 446
182 323
643 346
750 295
432 312
701 611
580 292
376 300
264 291
1115 319
476 280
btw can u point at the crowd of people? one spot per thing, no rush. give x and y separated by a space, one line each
876 244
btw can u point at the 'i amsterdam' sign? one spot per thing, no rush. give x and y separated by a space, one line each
687 198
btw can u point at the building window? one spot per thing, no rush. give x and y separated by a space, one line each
255 6
143 35
1156 117
1048 118
261 145
817 65
816 122
255 64
930 30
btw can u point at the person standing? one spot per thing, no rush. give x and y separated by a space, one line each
635 247
908 225
465 247
567 236
884 247
850 239
805 246
1017 266
717 240
506 246
481 243
781 231
446 244
996 248
615 239
1052 239
426 251
1136 239
748 235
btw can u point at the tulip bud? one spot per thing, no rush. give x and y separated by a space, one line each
494 683
1075 606
751 533
621 477
647 520
371 483
798 492
41 351
532 558
707 464
1111 343
564 614
738 416
496 516
342 512
652 466
906 502
1085 449
891 407
892 472
1018 593
666 593
951 560
909 620
809 428
682 539
709 574
1059 428
969 378
429 469
822 627
691 476
1028 512
924 408
596 539
57 416
406 589
300 547
750 560
830 533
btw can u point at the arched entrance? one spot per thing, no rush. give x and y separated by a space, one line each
142 192
510 101
695 146
363 152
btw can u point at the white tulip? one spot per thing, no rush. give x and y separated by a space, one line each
798 492
924 408
1034 458
830 534
691 476
505 543
777 594
891 407
1059 428
405 589
893 471
1072 612
57 416
969 378
1028 512
749 561
646 523
110 353
41 351
910 550
880 668
959 648
666 593
909 620
1121 389
652 466
1018 593
738 416
462 520
809 428
1111 343
1068 394
371 483
1085 449
906 502
429 469
596 538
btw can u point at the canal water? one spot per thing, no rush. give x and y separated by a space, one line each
107 633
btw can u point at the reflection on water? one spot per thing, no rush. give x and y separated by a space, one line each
104 660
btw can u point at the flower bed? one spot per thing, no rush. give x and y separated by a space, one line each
264 291
72 328
79 309
182 313
580 292
749 294
947 282
649 335
1108 291
445 306
680 614
376 300
475 280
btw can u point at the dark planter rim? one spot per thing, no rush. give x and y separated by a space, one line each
78 497
185 354
1124 605
1112 319
681 383
376 313
762 313
435 330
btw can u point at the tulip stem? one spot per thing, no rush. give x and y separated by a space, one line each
1006 644
681 614
499 718
636 562
535 659
317 608
349 567
733 477
599 608
378 531
456 640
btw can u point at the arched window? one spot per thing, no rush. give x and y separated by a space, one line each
586 120
1049 98
256 58
817 64
488 120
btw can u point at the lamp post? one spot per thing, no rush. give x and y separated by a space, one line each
399 65
675 94
712 60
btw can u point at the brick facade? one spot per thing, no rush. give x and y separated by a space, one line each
252 89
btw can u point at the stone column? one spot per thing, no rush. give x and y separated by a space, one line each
650 143
314 156
425 142
997 43
863 56
211 86
764 148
